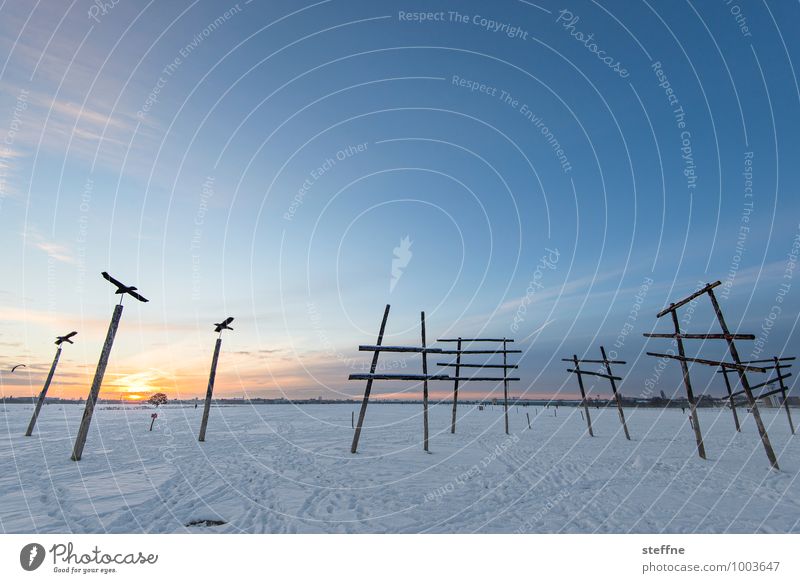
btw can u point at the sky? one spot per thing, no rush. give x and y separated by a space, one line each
555 173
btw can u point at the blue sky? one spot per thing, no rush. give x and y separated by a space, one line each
264 160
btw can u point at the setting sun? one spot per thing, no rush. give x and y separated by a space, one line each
139 386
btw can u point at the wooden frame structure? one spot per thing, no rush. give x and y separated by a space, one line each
606 375
782 388
459 365
371 376
737 365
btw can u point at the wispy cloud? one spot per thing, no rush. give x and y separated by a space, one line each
53 250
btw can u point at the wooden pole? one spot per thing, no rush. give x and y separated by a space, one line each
455 388
91 400
783 395
505 384
687 383
616 395
731 399
352 419
152 420
362 413
43 394
528 415
762 431
583 395
210 390
424 385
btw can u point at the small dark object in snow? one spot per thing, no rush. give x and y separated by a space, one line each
206 522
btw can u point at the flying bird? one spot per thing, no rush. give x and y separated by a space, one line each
16 367
219 327
66 338
124 289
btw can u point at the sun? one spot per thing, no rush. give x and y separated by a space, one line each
138 386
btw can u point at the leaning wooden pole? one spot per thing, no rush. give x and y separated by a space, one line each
505 383
424 385
616 395
783 393
687 383
43 394
762 431
583 395
210 390
731 400
455 387
362 413
91 400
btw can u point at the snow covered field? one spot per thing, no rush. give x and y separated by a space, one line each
280 468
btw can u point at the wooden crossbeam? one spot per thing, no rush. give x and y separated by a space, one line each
730 365
674 306
777 379
475 340
764 384
769 360
366 376
770 393
379 348
761 396
477 351
589 360
483 379
462 365
704 336
773 367
597 374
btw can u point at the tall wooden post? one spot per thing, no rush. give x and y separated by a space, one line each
616 395
731 400
505 385
210 390
362 413
762 431
91 400
783 393
583 394
687 383
424 385
455 387
43 394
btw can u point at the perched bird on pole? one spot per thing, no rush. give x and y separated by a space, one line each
91 401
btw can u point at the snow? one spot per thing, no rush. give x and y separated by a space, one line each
285 468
